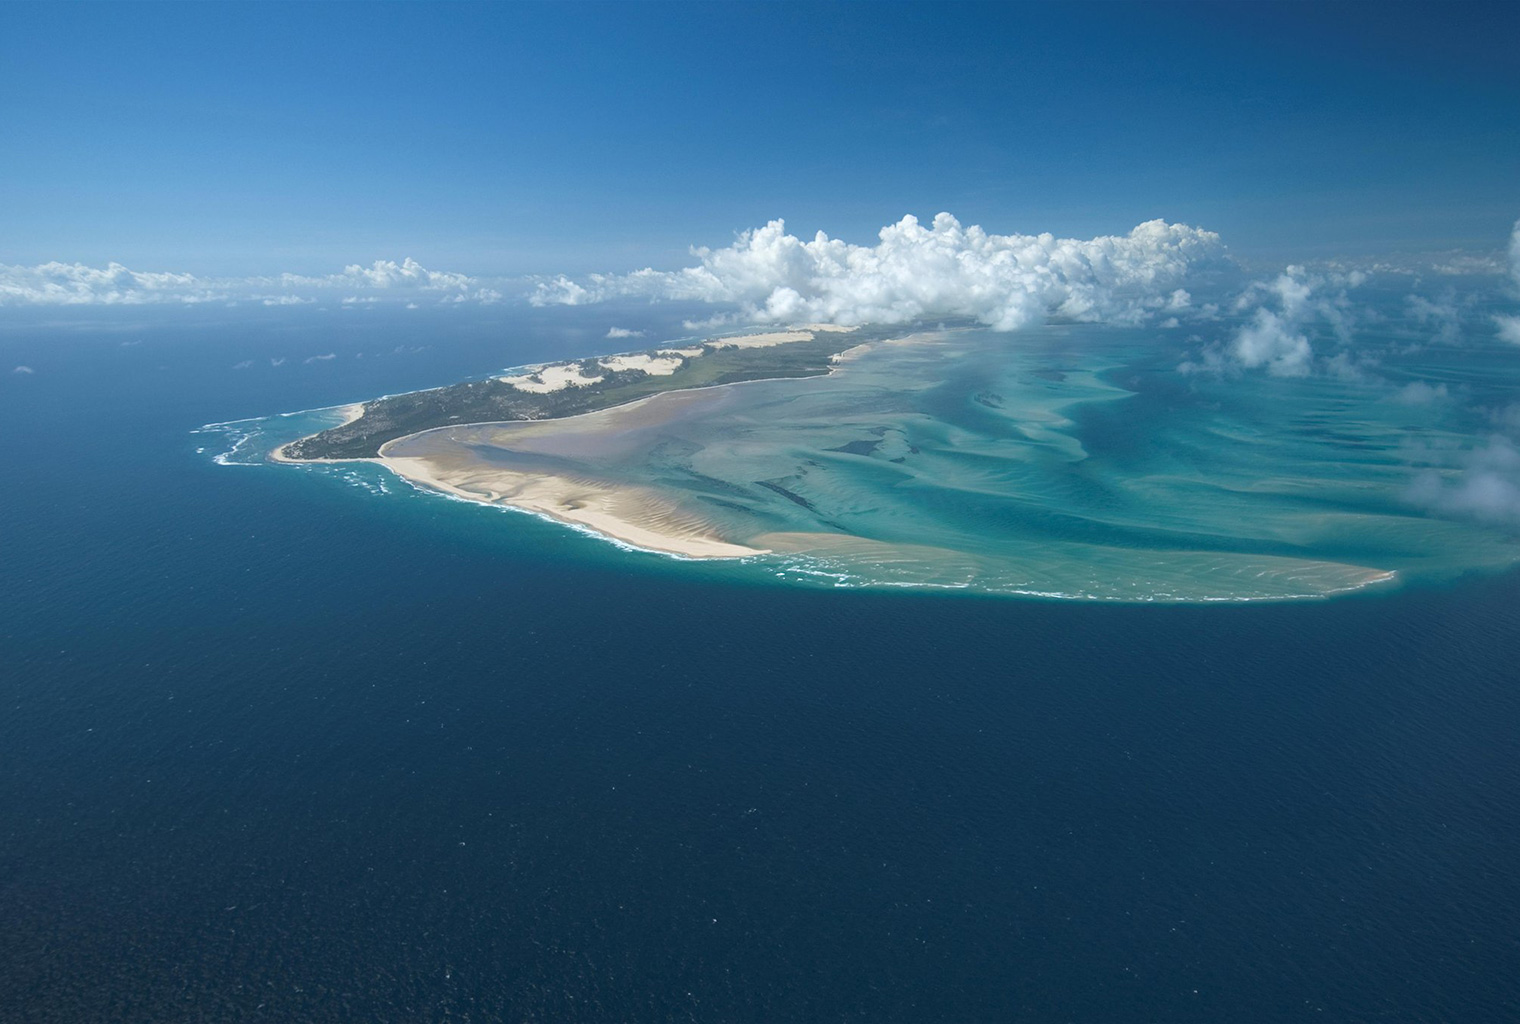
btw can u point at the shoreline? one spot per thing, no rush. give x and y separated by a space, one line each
634 517
639 517
351 412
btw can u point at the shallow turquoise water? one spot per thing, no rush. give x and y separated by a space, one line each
1070 462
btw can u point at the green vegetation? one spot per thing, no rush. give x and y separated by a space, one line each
489 401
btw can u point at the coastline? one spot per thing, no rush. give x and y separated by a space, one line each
640 517
637 517
351 412
633 516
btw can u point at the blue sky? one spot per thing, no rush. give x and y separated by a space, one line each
519 139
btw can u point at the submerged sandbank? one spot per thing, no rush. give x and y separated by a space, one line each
955 460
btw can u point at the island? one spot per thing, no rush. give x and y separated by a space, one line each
469 439
1058 463
558 390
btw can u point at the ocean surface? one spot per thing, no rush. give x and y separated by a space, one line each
291 744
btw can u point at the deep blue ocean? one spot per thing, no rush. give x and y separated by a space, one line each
276 748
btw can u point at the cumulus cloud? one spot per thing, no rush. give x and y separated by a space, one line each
623 332
1487 488
1514 253
1485 483
1507 418
1509 326
1272 341
914 271
387 279
328 357
76 284
60 284
25 371
1420 393
1441 316
1279 314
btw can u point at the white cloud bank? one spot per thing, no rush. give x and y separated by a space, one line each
945 269
76 284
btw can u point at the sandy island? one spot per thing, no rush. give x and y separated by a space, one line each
442 459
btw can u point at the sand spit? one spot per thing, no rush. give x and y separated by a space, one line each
636 516
1197 577
854 352
350 413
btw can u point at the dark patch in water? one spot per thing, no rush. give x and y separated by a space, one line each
788 495
857 448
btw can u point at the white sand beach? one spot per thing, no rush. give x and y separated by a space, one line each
636 516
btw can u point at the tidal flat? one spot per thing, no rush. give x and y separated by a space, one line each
1070 462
